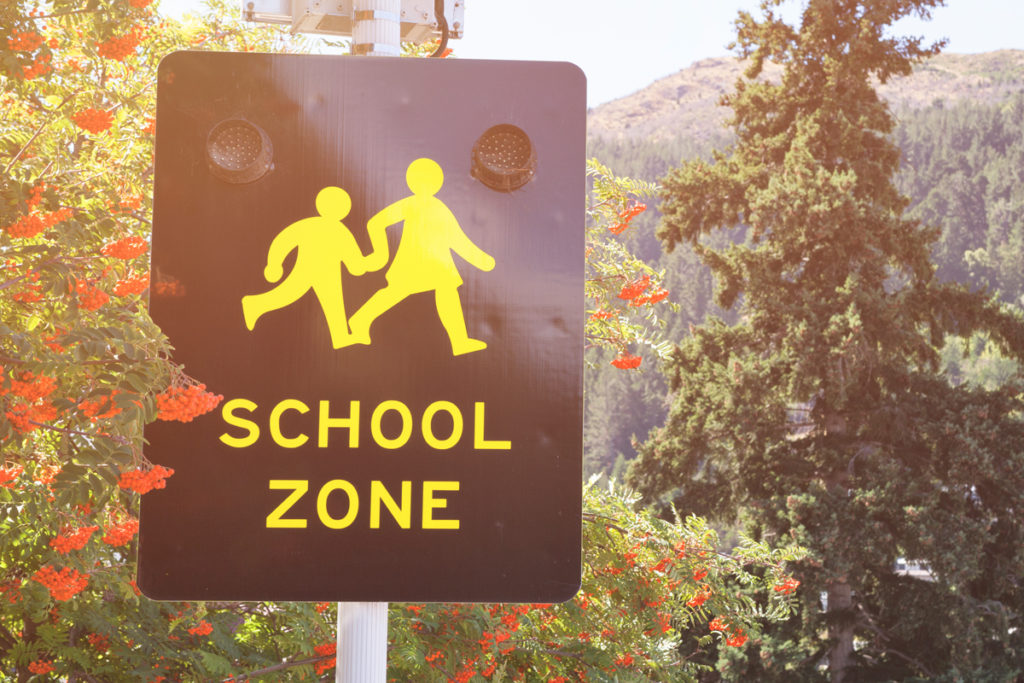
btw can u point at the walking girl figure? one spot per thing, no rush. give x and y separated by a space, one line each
423 259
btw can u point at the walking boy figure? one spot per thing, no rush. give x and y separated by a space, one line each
323 244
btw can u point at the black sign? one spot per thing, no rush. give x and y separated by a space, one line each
378 263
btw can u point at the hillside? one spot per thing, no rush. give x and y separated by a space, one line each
685 104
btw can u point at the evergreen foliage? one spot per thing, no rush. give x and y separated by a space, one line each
962 167
949 150
822 415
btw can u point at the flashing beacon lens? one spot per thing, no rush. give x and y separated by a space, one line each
504 158
238 151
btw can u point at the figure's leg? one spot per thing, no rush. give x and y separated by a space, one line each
449 309
381 301
286 293
329 294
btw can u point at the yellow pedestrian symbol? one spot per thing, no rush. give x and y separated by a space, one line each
323 244
422 262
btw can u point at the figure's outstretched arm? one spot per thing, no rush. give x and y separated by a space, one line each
283 243
377 229
464 247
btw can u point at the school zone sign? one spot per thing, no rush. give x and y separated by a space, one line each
378 263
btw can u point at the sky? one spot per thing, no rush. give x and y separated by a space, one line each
625 45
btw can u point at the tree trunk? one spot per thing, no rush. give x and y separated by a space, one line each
840 628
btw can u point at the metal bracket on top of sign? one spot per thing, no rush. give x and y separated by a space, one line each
338 17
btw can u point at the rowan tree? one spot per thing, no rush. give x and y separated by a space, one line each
821 417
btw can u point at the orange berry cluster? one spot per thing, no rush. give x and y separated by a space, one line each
119 47
36 195
626 361
100 643
703 593
24 41
31 387
602 314
186 403
788 586
40 66
93 120
30 290
132 284
661 565
120 534
625 216
125 204
11 590
131 203
500 635
204 628
26 417
41 667
180 614
324 650
624 660
140 4
32 224
126 248
65 542
50 341
653 298
467 672
64 584
100 408
9 474
144 482
90 297
734 637
633 292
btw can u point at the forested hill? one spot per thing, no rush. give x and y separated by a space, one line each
961 129
685 104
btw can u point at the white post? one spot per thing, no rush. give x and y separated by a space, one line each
363 626
377 29
362 642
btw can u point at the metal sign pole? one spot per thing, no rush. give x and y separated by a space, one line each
362 642
362 650
377 30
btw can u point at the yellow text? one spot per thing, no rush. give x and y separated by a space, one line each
338 505
391 425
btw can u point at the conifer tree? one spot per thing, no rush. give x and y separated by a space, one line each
822 416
